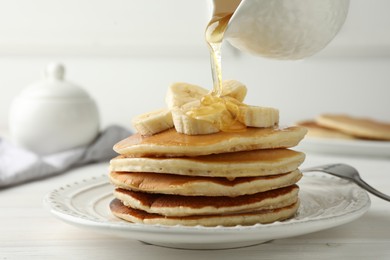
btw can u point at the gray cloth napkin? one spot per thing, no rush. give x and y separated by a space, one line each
18 165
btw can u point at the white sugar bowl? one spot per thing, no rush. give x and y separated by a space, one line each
53 115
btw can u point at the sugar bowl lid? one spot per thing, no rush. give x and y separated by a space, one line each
54 85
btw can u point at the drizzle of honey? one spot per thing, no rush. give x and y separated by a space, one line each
220 110
214 37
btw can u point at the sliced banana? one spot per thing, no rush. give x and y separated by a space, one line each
189 125
255 116
153 122
182 93
192 116
234 89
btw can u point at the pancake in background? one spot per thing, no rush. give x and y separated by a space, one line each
176 205
359 127
233 219
170 143
200 186
229 165
315 130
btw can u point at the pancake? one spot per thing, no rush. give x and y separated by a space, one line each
200 186
170 143
316 130
175 205
244 218
359 127
229 165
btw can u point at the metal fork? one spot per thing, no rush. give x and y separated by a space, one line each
347 172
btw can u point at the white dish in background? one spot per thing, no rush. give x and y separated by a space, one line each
325 202
346 147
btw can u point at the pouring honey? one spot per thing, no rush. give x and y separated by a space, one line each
216 108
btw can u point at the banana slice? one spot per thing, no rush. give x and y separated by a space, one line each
153 122
234 89
255 116
189 125
182 93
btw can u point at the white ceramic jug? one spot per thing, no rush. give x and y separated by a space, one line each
282 29
53 115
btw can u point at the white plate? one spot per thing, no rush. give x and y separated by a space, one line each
325 202
346 147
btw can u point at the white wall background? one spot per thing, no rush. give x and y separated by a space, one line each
127 52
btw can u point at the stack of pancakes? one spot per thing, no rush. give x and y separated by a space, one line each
226 178
342 126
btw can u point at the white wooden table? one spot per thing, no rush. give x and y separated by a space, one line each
29 231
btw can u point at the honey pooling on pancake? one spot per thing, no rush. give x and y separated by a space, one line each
226 109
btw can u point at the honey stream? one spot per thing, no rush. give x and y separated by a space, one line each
220 110
214 36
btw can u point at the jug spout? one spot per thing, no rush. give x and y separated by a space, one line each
224 7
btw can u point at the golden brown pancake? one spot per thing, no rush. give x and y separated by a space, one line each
359 127
244 218
316 130
229 165
173 144
200 186
175 205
